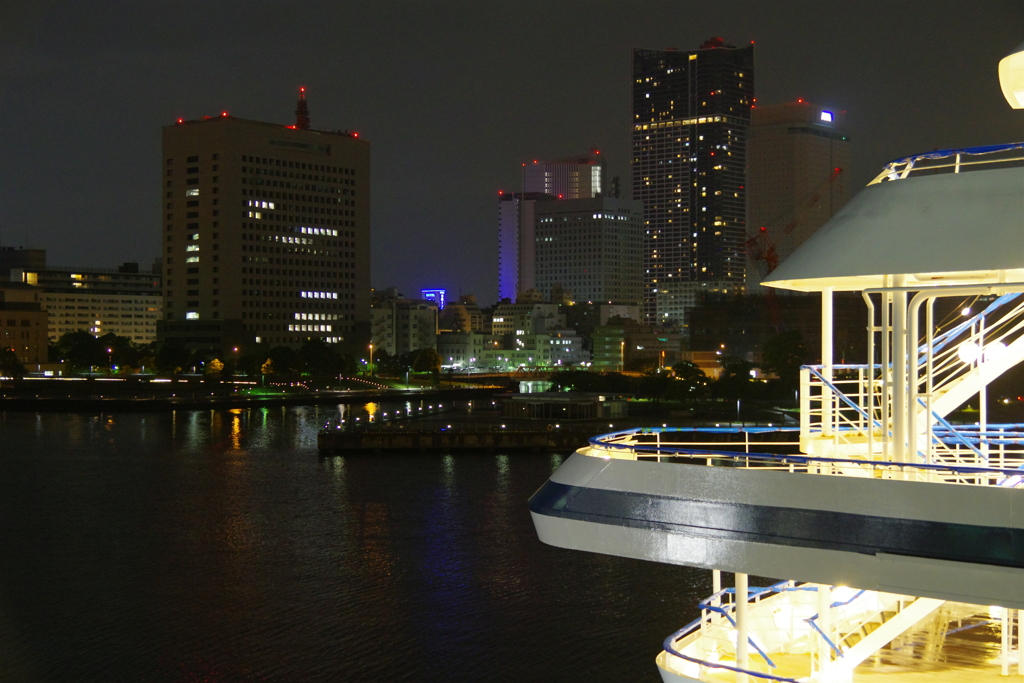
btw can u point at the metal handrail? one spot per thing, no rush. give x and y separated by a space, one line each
901 168
784 459
843 397
725 613
811 621
754 593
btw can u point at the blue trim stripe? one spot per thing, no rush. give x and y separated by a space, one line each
793 527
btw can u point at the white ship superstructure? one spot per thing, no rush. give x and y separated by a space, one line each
901 534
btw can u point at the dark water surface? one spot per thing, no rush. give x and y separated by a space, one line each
218 546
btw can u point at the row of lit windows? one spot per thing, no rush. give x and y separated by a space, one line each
299 165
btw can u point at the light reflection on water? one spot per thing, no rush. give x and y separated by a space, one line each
218 545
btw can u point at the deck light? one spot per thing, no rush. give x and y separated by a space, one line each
968 352
994 351
1011 77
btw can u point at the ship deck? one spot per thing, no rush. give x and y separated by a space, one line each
959 643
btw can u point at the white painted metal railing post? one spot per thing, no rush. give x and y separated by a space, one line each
824 624
886 359
982 394
742 632
929 375
899 371
805 402
827 399
1004 642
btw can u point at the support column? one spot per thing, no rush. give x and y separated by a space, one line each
1004 642
1020 653
827 354
825 624
742 632
899 371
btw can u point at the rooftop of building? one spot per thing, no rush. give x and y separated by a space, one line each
225 117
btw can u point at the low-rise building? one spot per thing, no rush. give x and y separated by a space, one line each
628 345
463 315
120 300
23 322
399 325
526 318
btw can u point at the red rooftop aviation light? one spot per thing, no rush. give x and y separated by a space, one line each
223 113
181 120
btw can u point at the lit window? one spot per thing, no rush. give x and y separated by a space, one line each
192 192
192 247
192 259
191 315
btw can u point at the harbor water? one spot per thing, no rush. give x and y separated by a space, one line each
219 546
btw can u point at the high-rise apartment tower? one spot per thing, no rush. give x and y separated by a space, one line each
691 111
268 225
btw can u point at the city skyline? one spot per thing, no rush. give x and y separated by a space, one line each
87 89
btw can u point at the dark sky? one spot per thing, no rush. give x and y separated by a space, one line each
452 96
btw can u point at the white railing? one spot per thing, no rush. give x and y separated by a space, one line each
749 447
953 161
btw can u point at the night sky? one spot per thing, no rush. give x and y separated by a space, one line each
452 96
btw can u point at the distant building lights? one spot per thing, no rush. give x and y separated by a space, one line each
826 116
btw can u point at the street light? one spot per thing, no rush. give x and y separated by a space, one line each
110 361
622 356
371 360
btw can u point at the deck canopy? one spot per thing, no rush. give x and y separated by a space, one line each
955 222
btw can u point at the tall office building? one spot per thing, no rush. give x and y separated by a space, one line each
571 178
266 225
517 219
578 177
691 111
592 247
798 170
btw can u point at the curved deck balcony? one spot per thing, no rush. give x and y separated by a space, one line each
715 499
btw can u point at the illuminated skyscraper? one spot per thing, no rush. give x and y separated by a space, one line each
579 177
691 111
265 225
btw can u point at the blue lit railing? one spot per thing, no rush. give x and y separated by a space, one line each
708 605
813 622
605 441
901 168
753 594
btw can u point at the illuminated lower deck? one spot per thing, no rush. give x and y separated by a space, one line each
923 550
